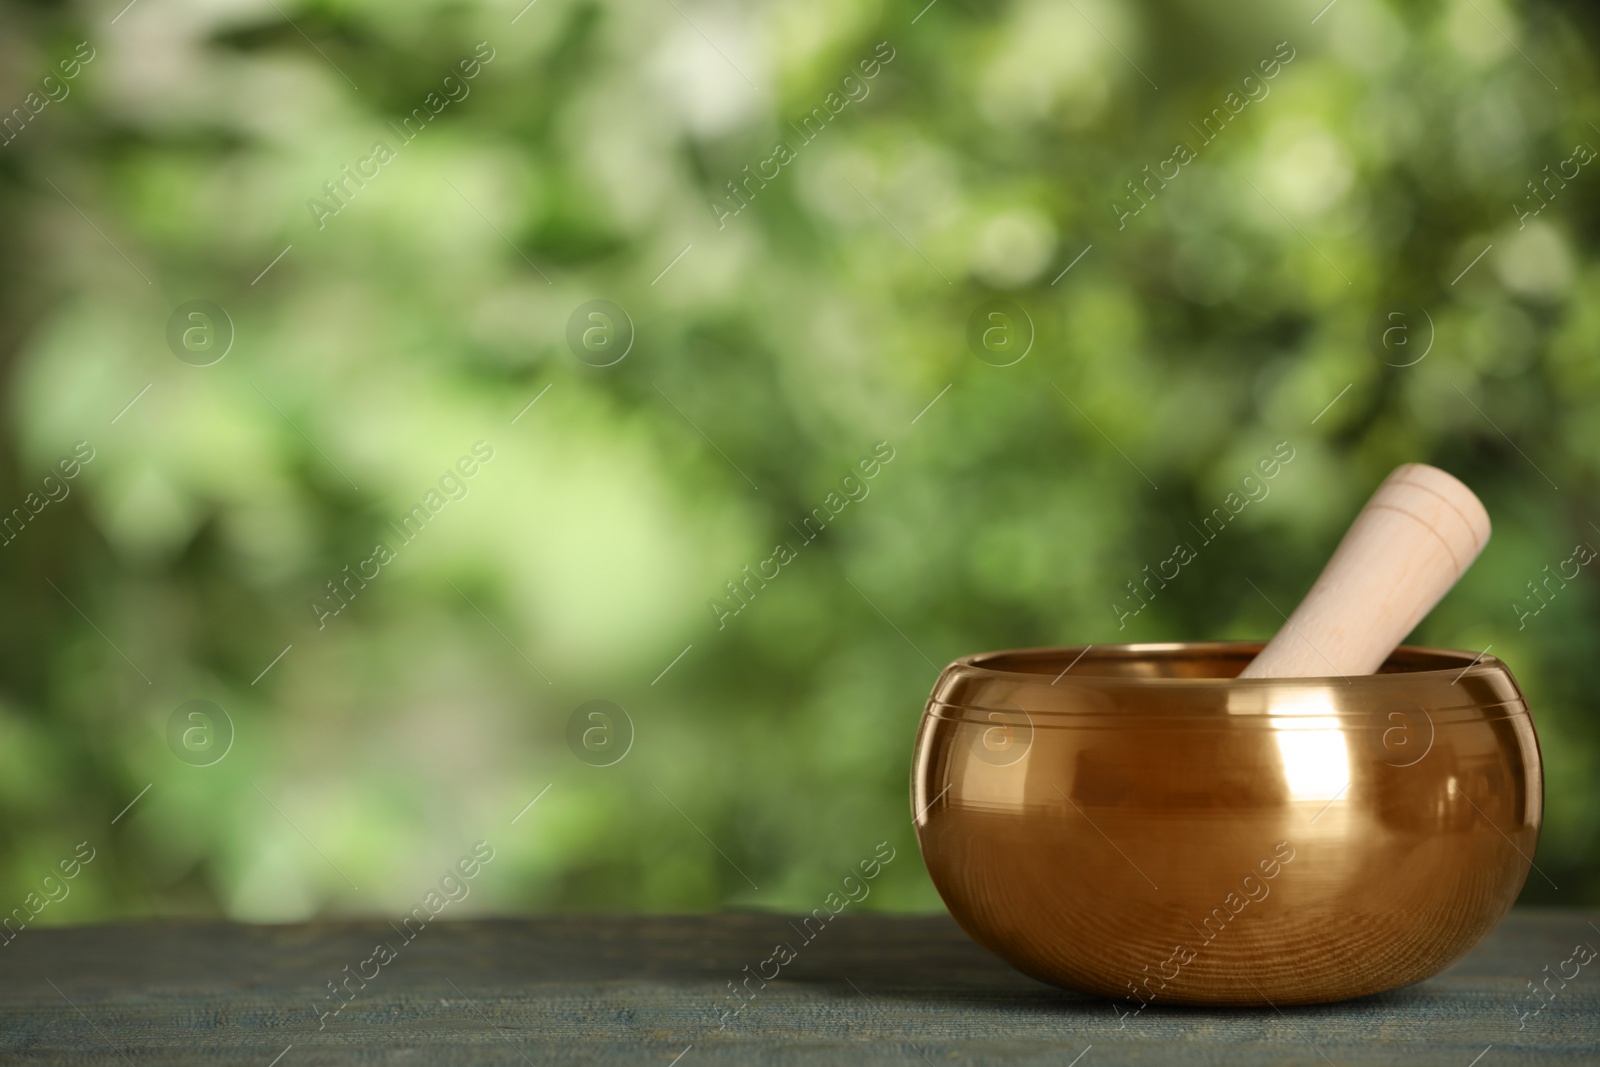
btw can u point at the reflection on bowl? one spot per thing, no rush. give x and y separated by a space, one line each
1136 822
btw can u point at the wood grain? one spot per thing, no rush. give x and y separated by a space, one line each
642 990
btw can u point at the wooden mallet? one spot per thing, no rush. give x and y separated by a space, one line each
1417 535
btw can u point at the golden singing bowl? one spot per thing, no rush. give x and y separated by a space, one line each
1134 821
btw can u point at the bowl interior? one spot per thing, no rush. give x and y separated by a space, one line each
1222 660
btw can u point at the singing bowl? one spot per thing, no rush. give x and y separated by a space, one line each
1135 821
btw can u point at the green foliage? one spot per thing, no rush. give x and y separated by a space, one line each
1234 310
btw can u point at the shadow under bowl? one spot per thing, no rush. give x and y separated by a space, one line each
1135 821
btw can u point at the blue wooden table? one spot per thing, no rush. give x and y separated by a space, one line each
688 991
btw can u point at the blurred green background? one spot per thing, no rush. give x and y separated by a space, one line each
1385 166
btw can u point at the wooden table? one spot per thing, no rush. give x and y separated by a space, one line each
644 990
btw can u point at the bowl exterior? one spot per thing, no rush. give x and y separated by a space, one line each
1144 834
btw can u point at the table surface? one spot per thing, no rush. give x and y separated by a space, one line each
644 990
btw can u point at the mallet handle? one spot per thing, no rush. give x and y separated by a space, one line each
1418 534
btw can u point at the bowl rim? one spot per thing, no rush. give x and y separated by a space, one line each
1464 663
